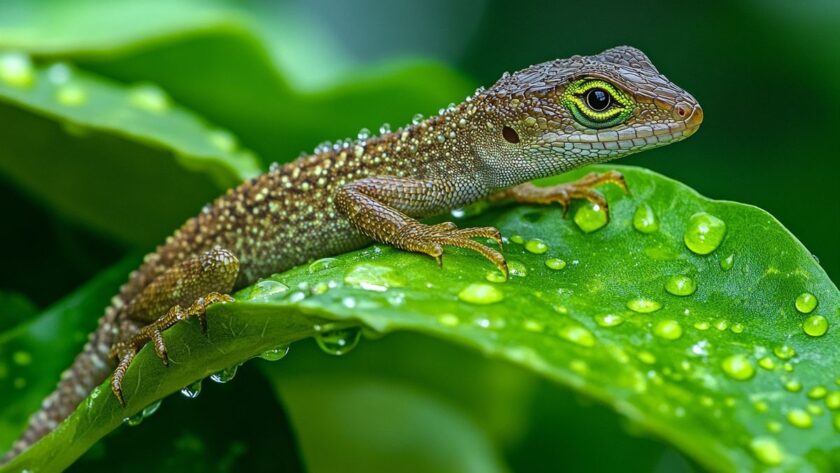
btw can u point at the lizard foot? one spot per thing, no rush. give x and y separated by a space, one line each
125 351
430 239
563 194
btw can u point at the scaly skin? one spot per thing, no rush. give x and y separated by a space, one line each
538 122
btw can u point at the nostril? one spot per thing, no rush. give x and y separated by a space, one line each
682 110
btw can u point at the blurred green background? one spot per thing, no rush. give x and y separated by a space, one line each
767 73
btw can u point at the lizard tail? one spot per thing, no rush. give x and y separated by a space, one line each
90 368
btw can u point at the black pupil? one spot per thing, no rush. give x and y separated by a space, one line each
510 135
598 99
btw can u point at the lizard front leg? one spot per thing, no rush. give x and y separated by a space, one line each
379 207
563 194
184 290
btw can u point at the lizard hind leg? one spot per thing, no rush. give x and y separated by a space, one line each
183 291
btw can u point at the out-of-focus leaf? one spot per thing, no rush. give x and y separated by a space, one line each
33 354
731 372
123 160
14 309
240 86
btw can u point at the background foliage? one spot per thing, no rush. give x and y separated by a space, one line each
282 77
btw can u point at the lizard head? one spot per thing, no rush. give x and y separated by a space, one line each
561 114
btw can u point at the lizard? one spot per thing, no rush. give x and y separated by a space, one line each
540 121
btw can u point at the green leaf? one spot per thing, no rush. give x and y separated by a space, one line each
708 372
241 85
14 309
115 171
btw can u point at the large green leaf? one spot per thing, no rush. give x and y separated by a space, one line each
734 374
153 163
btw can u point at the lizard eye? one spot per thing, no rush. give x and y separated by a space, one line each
510 135
598 99
595 103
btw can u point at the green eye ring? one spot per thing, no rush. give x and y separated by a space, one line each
615 106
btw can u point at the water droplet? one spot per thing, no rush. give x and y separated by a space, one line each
793 386
815 410
495 276
774 426
517 269
371 277
136 419
71 95
609 320
668 329
578 335
738 367
815 325
275 354
590 217
721 324
324 263
817 392
266 289
363 135
532 325
339 342
16 69
644 220
22 358
449 320
761 406
701 325
192 391
799 419
59 73
784 352
149 97
788 367
727 263
767 451
555 263
832 400
704 233
679 285
767 363
479 293
385 129
517 239
806 302
646 357
226 375
223 140
416 119
536 246
737 328
643 305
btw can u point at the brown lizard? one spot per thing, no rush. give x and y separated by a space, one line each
538 122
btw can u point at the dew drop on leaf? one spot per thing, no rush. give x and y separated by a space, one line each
555 263
817 392
517 269
340 341
793 386
480 293
322 264
704 233
727 263
644 220
149 97
495 276
832 400
266 289
16 69
71 95
536 246
448 320
275 354
226 375
518 239
679 285
668 329
805 302
192 391
136 419
815 325
767 363
643 305
738 367
609 320
799 419
578 335
784 352
767 450
590 217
